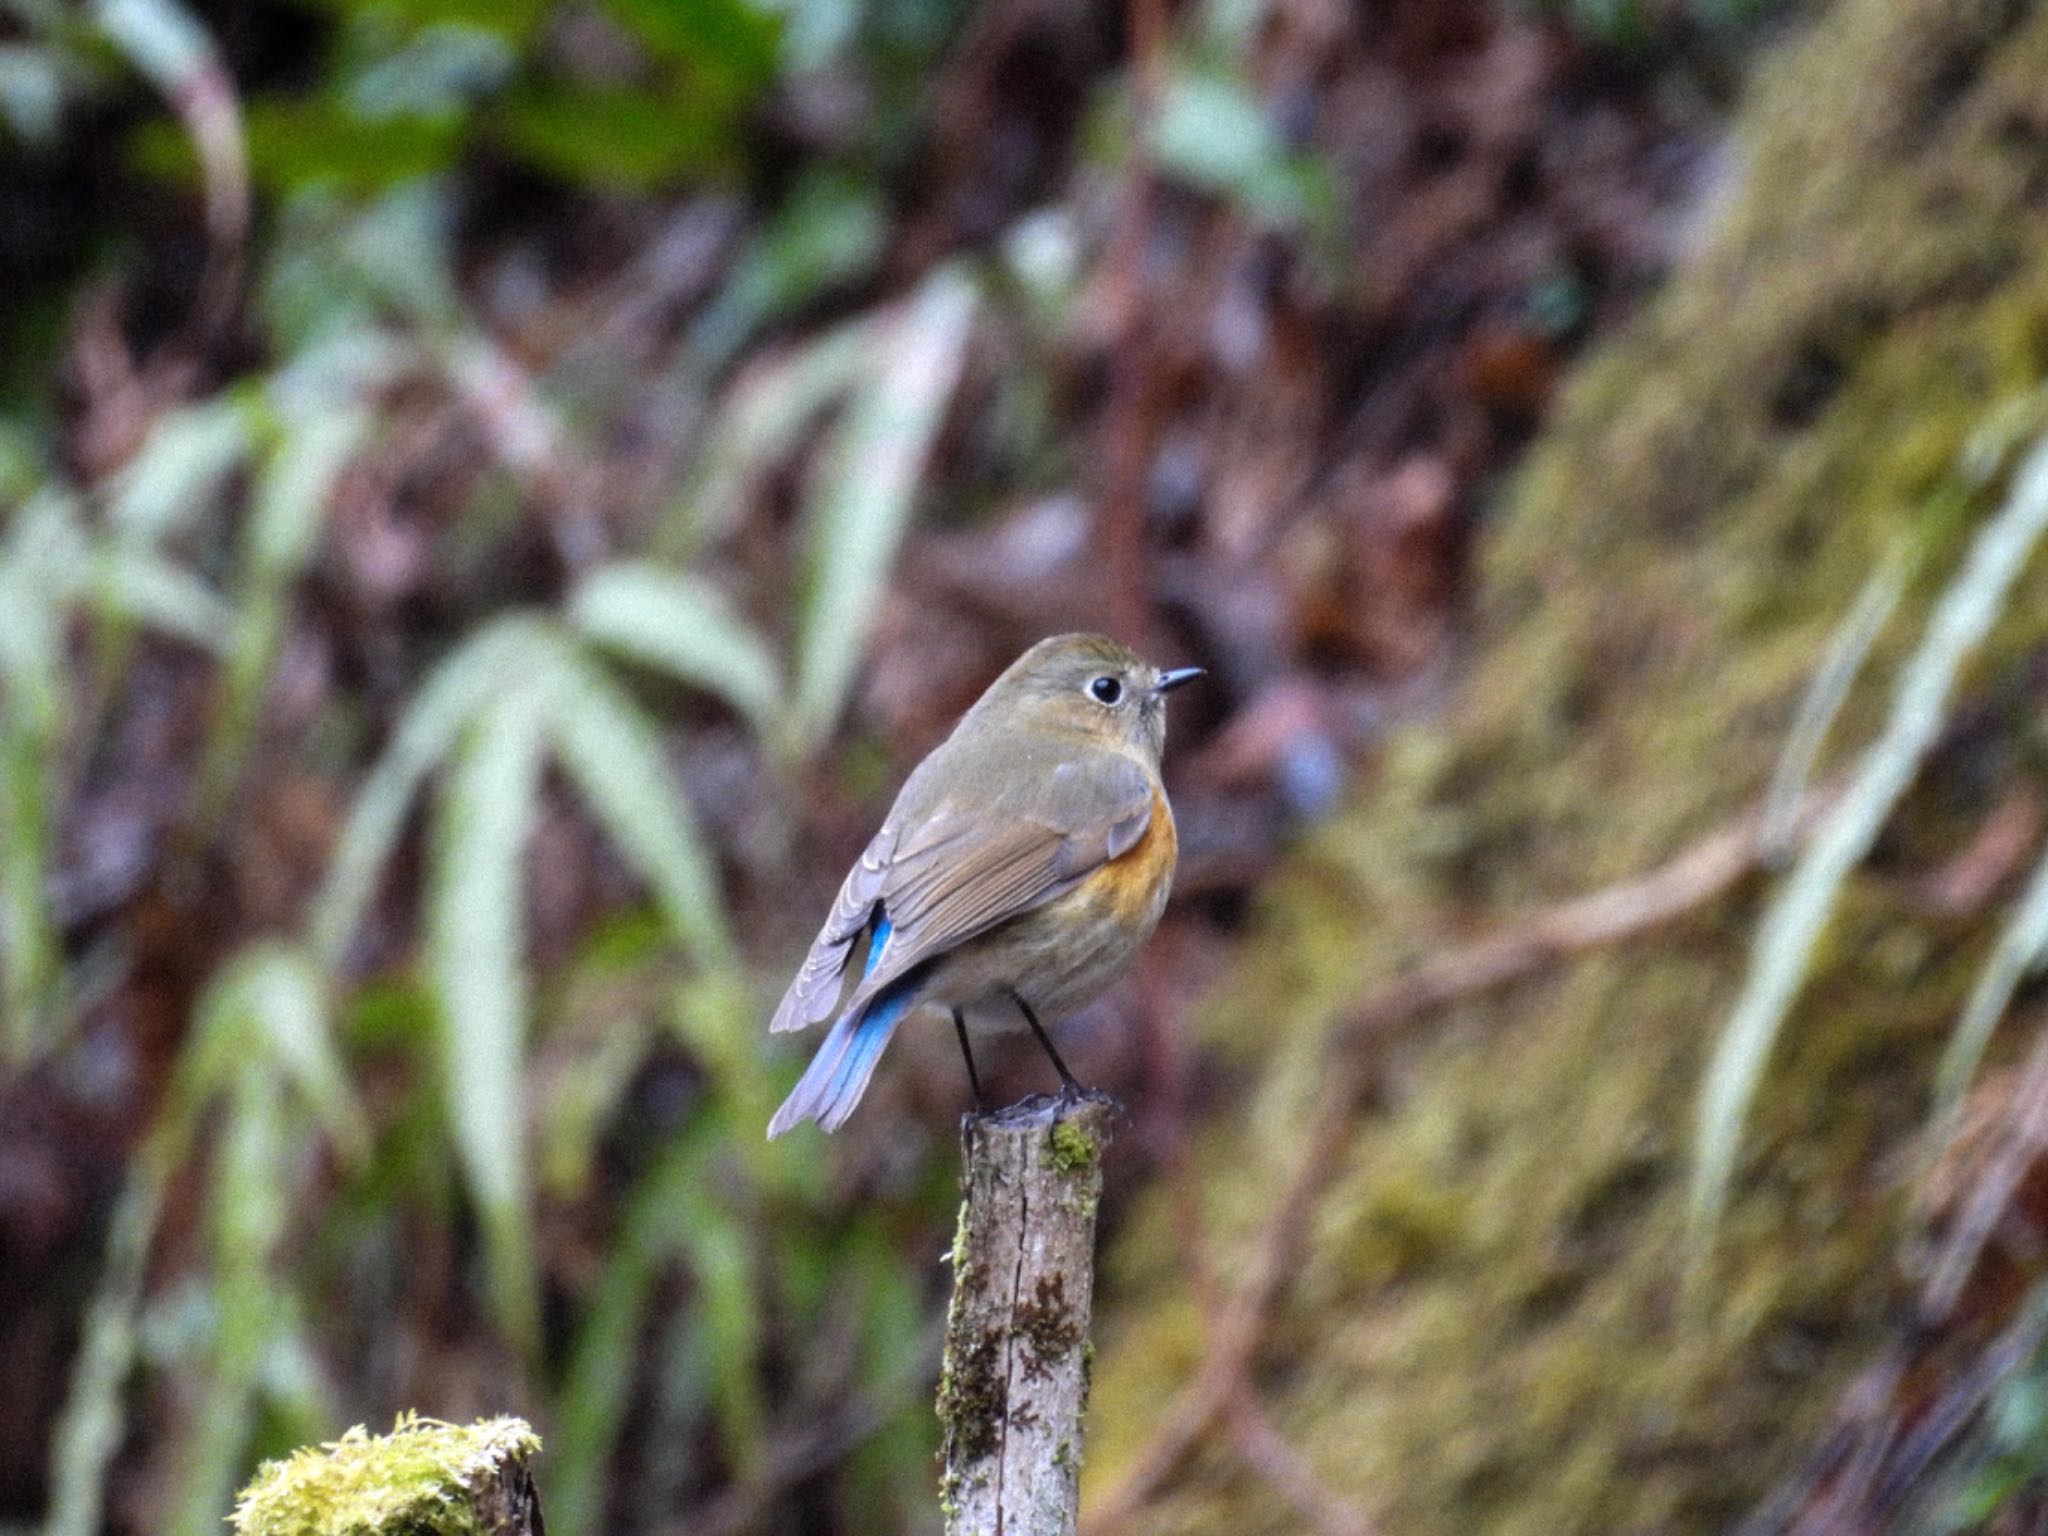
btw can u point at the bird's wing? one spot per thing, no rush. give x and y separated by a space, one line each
985 859
942 872
814 995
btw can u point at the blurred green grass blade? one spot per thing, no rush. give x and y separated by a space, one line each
831 229
181 469
439 71
143 588
246 1214
815 33
170 47
321 389
683 626
279 1000
340 268
582 1094
41 563
475 942
2019 950
41 573
29 953
675 1213
24 465
401 249
767 411
298 1397
297 479
1213 131
622 138
32 90
592 1405
611 751
288 513
676 1408
717 1242
519 423
95 1416
728 45
718 1015
1974 599
228 1038
897 1348
472 675
865 487
605 1358
1841 664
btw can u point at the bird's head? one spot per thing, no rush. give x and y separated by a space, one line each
1087 685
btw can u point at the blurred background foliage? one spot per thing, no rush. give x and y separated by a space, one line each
494 496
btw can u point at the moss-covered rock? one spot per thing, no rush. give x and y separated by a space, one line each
1487 1335
422 1479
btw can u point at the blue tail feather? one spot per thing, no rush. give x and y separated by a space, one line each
838 1075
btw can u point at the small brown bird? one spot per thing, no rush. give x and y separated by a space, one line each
1023 866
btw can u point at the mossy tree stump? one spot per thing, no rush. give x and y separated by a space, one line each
1015 1380
422 1479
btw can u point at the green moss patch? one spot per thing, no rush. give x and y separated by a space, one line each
1073 1149
973 1397
422 1479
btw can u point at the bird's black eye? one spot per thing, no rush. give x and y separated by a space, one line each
1106 690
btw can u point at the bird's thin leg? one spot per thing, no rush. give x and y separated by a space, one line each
967 1054
1069 1088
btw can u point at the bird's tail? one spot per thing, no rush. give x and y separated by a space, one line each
838 1075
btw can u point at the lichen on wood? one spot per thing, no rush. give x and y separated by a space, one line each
1015 1380
423 1479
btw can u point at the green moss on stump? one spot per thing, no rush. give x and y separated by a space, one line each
423 1479
973 1397
1485 1336
1073 1150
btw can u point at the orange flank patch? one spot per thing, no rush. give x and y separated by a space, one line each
1129 884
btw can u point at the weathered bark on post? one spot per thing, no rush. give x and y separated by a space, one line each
1015 1380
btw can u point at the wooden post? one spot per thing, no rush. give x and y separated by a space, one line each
1015 1379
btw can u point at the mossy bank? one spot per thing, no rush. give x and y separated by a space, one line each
1487 1335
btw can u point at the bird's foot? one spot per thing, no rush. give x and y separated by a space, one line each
1055 1106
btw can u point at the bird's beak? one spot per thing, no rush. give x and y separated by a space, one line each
1168 681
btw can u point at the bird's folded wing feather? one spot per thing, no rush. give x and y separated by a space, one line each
955 881
813 996
966 864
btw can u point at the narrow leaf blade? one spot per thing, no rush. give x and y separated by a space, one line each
475 938
179 471
1962 616
682 626
141 586
611 751
866 487
467 679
